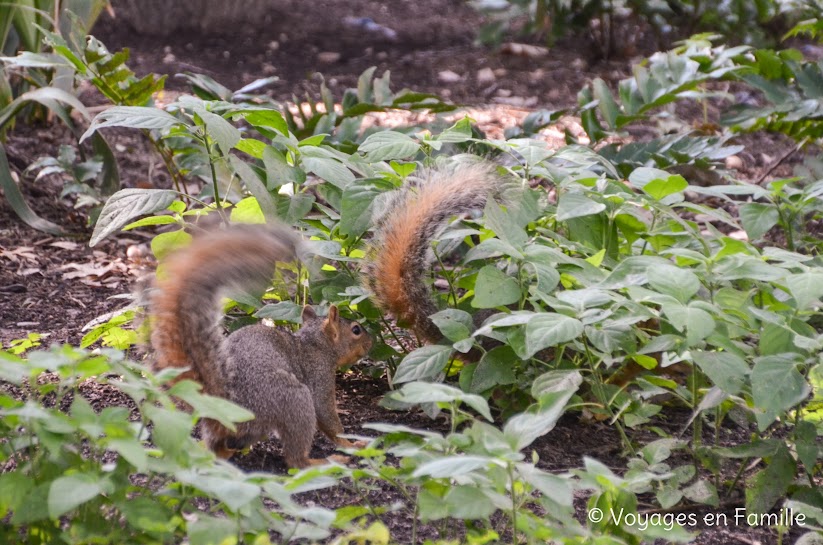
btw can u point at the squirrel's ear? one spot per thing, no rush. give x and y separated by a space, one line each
308 313
332 323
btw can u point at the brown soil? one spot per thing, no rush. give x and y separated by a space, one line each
38 291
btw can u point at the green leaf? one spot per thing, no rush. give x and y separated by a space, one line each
726 370
127 204
284 311
357 204
577 205
255 186
806 444
252 146
71 491
267 119
111 174
208 530
494 288
207 406
606 103
695 322
468 503
682 284
150 221
758 218
386 145
279 171
293 208
428 392
172 429
642 176
166 243
556 381
15 199
221 131
777 386
452 466
769 485
504 225
233 492
134 117
495 368
454 324
247 211
524 428
659 188
550 329
806 288
131 450
425 362
331 170
702 491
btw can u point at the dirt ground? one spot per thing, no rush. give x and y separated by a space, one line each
56 285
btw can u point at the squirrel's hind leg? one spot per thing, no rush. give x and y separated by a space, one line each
218 438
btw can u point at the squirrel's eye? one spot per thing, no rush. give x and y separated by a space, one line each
356 329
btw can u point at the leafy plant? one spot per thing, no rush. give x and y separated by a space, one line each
43 82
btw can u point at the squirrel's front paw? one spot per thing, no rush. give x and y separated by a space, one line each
345 443
339 458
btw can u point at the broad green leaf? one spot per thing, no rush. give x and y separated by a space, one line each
18 203
279 171
293 208
71 491
172 429
694 321
758 218
576 205
285 311
468 503
134 117
246 211
777 386
556 381
682 284
524 428
267 119
454 324
452 466
127 204
494 288
550 329
131 450
765 488
357 205
640 177
606 103
504 225
806 288
209 530
660 188
386 145
726 370
428 392
331 170
495 368
208 406
165 243
233 492
255 186
425 362
702 491
221 131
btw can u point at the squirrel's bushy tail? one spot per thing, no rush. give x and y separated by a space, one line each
185 305
401 251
